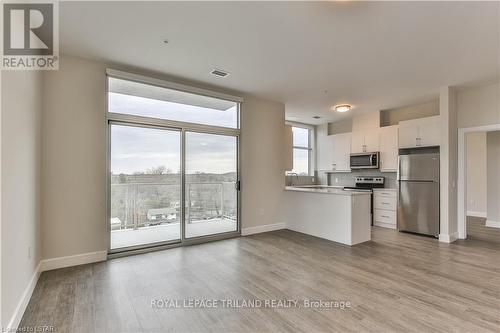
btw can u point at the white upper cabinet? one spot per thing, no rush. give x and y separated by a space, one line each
423 132
333 152
389 148
288 148
430 131
341 151
357 142
365 141
372 140
324 153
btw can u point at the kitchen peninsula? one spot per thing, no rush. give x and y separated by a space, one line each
329 212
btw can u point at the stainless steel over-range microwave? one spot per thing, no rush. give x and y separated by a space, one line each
365 160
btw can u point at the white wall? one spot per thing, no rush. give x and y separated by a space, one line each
478 106
476 174
366 121
20 187
262 158
74 160
448 165
493 167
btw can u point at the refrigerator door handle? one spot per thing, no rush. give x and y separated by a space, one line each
399 166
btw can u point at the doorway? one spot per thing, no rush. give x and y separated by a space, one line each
477 214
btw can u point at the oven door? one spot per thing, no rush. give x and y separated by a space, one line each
364 161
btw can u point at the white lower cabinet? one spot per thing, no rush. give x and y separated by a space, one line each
385 205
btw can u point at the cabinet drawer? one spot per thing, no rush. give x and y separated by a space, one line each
382 202
385 193
385 216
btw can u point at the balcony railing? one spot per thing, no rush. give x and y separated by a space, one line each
137 205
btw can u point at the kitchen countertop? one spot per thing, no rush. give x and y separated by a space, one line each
338 190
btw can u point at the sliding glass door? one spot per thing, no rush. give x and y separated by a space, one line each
211 198
173 163
145 189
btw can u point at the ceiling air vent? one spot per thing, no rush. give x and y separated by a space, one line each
219 72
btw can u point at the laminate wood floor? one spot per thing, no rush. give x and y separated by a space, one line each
477 229
396 283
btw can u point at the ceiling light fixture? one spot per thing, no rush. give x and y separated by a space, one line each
342 108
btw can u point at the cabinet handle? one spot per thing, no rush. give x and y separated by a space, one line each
387 217
385 203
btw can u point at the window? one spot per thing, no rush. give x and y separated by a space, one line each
147 100
302 150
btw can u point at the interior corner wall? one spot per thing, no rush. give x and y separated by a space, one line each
493 186
476 174
74 159
20 187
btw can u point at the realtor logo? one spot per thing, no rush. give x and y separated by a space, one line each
30 36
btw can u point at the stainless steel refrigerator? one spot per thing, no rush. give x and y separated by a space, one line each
418 208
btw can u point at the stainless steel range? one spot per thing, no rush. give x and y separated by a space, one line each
367 184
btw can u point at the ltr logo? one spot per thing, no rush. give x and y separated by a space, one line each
28 29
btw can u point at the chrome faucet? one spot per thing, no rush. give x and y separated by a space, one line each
291 174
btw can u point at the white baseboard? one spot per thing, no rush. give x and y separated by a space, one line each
492 224
23 302
448 238
262 228
476 214
47 265
79 259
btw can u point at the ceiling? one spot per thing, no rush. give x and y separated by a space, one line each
308 55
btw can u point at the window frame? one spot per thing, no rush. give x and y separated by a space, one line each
311 145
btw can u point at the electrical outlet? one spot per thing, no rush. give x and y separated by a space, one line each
336 179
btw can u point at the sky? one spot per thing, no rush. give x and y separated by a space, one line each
137 149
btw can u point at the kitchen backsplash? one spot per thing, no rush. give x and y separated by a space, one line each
347 178
300 180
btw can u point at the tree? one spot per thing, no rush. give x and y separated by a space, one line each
160 170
